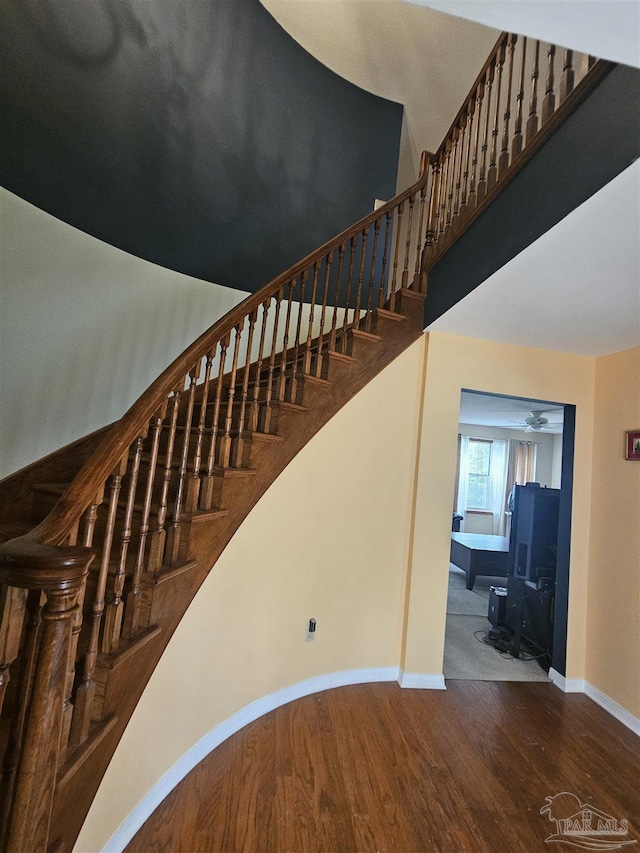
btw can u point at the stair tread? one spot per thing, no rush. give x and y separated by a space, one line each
411 294
340 356
391 315
370 336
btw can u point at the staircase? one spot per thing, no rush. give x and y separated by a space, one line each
107 542
100 570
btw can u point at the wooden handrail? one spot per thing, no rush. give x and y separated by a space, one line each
56 527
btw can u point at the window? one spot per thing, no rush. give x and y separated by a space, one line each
478 482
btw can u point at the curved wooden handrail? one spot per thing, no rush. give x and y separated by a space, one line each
55 528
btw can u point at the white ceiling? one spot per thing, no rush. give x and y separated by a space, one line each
487 410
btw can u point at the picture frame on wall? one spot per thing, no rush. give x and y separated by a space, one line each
632 445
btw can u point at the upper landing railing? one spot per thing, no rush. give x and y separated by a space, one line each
525 89
160 463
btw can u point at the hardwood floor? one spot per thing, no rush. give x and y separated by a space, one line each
376 768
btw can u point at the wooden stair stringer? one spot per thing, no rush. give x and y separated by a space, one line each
207 541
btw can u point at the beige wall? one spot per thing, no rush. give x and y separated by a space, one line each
340 553
613 621
84 329
454 363
330 540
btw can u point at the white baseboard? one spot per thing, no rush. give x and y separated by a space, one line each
580 685
616 710
147 805
422 680
567 685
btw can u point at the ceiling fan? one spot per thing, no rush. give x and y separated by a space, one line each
537 422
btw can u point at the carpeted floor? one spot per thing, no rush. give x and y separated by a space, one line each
465 656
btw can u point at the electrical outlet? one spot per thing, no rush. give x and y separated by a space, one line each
311 631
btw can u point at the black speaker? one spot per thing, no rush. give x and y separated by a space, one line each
497 606
534 533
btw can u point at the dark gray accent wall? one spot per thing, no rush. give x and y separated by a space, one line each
193 133
597 142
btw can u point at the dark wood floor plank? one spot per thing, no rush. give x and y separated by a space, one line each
373 768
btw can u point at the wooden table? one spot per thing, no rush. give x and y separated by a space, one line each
480 554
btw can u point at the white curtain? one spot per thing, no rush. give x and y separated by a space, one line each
463 479
498 482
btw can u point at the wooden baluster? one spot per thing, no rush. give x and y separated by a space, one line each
532 121
479 98
306 364
60 574
459 156
492 175
372 272
566 83
453 162
266 420
471 109
352 252
516 146
282 383
131 621
363 252
482 177
407 248
419 240
193 485
28 650
432 216
255 405
85 693
549 102
504 154
238 454
224 453
113 611
156 548
172 547
382 294
328 261
12 614
394 277
207 486
89 519
444 190
336 298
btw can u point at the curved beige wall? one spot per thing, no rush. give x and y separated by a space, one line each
329 540
84 329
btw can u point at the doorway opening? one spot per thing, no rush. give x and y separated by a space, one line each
511 521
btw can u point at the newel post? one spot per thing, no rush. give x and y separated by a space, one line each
59 573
